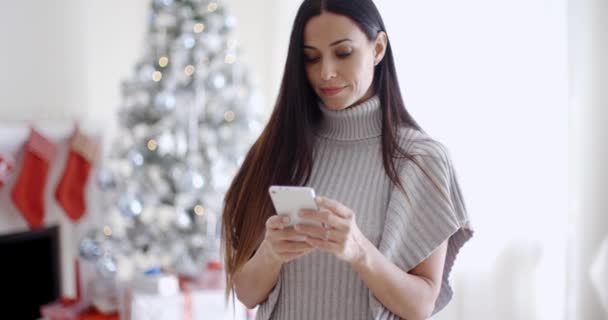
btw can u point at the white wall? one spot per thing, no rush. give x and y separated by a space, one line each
64 59
489 79
41 63
588 36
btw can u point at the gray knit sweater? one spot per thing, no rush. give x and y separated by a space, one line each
348 167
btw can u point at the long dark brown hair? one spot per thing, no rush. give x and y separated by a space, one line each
282 155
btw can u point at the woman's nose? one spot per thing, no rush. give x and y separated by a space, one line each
327 71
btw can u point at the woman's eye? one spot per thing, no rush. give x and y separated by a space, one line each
344 54
311 59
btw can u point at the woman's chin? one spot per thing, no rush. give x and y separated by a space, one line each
334 103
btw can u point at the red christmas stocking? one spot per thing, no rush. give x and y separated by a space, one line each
6 168
70 190
28 192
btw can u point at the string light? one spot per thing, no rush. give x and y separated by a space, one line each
199 27
163 61
189 70
107 231
229 116
212 7
156 76
230 58
152 144
199 210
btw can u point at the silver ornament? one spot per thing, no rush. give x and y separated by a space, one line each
90 248
216 81
188 41
145 72
166 144
230 22
136 158
130 205
183 221
106 266
188 179
164 103
164 3
105 179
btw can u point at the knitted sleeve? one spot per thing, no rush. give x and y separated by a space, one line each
431 211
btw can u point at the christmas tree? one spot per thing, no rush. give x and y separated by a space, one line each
187 118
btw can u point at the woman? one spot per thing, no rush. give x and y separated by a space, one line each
392 212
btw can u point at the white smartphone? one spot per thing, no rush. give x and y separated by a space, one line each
288 200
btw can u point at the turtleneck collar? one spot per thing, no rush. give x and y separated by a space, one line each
358 122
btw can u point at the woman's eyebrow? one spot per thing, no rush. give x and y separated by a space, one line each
331 45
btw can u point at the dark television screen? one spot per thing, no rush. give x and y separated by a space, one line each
29 272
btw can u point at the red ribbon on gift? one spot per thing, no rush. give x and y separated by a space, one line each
187 298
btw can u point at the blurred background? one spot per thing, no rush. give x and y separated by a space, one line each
513 88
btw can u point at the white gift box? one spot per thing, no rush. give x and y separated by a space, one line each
157 284
193 305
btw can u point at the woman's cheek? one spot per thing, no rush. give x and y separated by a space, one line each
354 69
310 74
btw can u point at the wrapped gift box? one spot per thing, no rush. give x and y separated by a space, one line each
63 309
188 305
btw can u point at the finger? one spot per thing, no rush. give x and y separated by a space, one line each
324 245
320 233
273 222
277 222
293 246
292 256
311 231
324 216
335 207
299 251
287 234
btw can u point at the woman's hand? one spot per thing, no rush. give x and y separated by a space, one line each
339 235
284 243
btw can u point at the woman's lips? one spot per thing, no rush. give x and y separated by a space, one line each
332 91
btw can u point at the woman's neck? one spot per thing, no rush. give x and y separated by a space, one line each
360 121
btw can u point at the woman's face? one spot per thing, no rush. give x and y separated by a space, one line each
340 60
